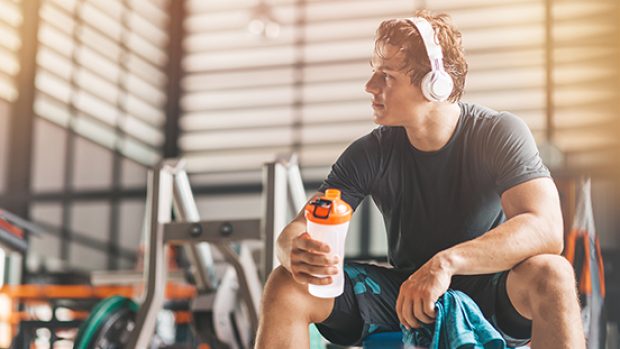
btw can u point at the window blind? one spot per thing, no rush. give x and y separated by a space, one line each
585 81
100 72
10 43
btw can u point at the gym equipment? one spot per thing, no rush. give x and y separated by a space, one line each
74 300
283 197
436 85
168 189
12 232
108 324
225 310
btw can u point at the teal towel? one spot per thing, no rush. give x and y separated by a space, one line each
459 324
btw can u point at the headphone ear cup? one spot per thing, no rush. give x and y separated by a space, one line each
426 87
437 86
441 85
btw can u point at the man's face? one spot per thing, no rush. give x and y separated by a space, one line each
394 98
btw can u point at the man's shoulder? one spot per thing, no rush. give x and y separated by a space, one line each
373 147
479 114
485 119
380 136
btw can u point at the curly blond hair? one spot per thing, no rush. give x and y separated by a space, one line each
402 33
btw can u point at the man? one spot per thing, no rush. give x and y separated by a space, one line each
467 205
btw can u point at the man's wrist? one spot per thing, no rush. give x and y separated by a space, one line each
447 261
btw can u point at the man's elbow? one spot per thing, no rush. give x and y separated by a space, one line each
555 232
557 246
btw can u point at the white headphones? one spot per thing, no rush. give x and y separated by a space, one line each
437 84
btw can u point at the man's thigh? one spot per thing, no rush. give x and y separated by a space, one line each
481 288
366 306
490 294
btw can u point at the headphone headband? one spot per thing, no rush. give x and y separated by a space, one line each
437 84
429 38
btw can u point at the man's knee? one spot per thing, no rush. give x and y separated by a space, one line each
283 293
280 287
547 273
543 281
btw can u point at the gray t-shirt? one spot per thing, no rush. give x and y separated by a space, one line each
431 201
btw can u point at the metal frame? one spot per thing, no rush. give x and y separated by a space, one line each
21 125
158 212
175 74
186 209
283 189
168 187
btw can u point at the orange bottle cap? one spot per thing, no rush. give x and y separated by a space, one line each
328 209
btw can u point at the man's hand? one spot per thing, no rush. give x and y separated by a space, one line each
310 257
416 300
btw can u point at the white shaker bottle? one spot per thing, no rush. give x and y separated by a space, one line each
328 219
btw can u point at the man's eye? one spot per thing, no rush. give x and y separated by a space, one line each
387 76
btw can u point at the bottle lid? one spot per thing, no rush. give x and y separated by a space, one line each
328 209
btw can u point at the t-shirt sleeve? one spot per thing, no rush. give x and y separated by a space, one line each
513 157
355 170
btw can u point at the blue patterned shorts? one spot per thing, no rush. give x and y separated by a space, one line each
369 299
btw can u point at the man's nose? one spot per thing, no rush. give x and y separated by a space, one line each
371 85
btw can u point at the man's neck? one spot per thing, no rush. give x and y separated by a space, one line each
431 130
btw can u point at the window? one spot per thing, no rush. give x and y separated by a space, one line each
101 72
99 123
10 43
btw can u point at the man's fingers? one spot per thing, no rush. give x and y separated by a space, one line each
428 306
418 312
407 313
314 269
310 279
305 242
399 310
314 258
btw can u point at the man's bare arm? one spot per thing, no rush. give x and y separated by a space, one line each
533 226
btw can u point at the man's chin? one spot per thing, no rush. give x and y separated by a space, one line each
379 118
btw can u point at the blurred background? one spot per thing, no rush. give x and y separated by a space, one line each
93 93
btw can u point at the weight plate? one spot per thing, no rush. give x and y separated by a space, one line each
109 319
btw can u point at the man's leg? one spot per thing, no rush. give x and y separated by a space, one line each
543 289
287 309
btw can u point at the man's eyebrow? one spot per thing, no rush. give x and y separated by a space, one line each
383 67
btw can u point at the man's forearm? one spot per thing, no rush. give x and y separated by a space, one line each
503 247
